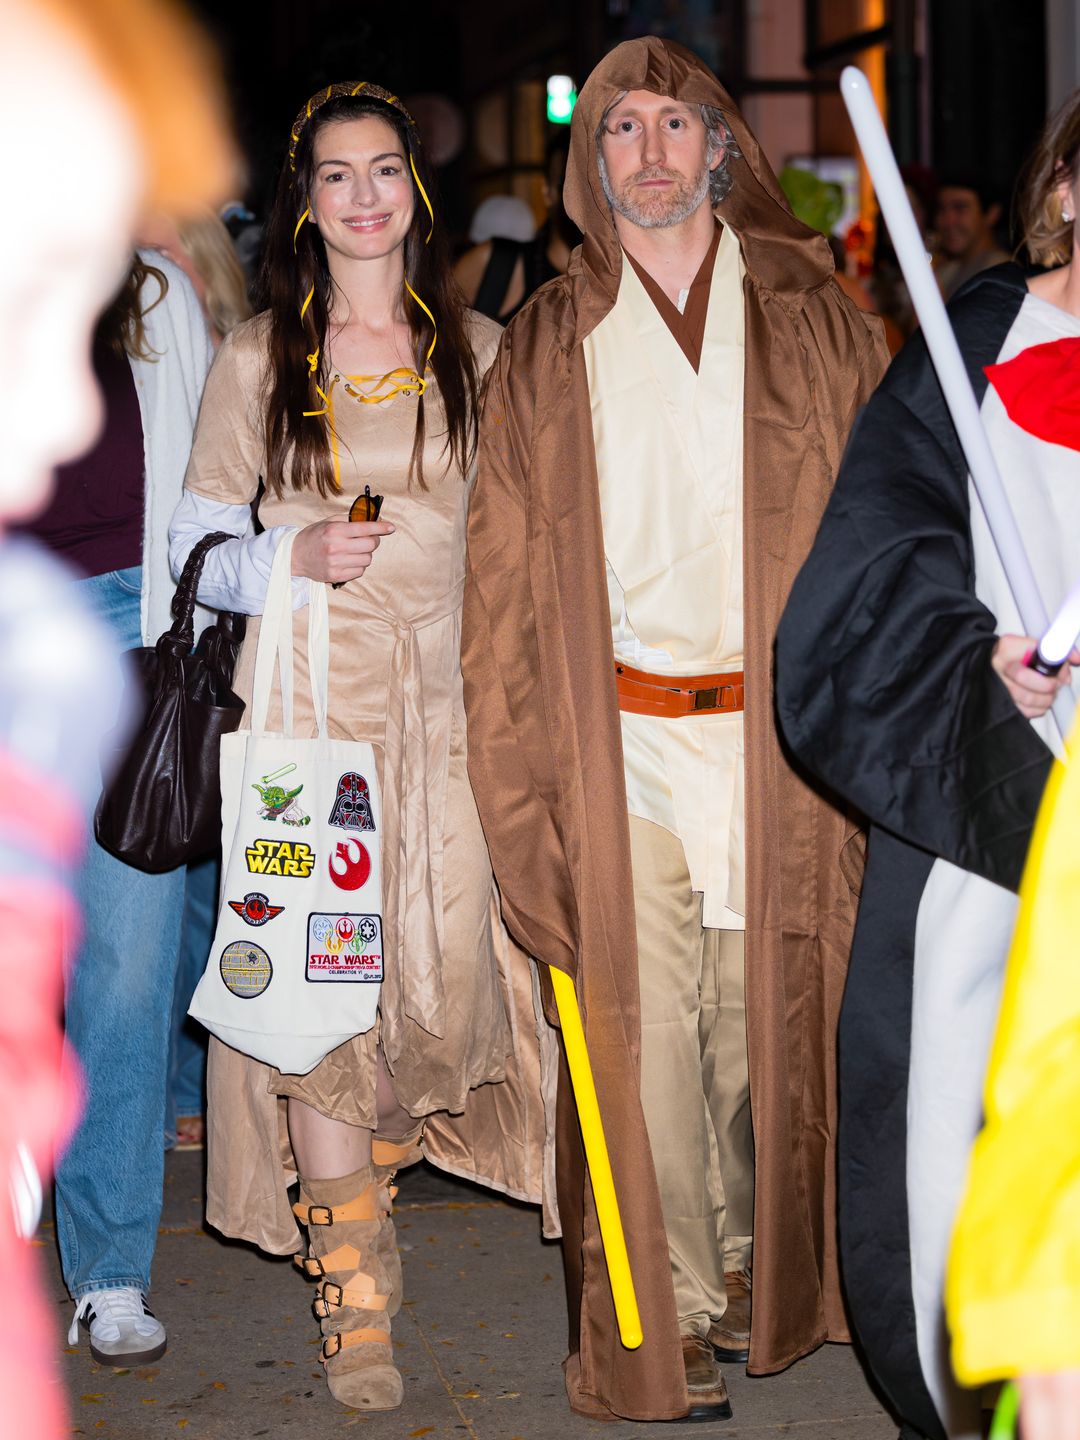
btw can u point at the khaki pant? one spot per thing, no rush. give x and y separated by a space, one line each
695 1089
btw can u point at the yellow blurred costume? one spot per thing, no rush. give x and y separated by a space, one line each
1013 1290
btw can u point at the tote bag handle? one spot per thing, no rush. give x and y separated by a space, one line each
276 642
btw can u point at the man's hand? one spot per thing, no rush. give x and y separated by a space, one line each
1050 1406
1032 693
337 549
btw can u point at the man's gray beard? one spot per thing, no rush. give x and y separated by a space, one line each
645 219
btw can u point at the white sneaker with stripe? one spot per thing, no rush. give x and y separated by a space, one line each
122 1330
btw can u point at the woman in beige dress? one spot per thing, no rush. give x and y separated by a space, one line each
363 370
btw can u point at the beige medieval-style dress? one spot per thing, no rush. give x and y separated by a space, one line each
395 680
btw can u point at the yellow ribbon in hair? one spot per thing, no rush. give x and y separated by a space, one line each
431 317
313 365
299 227
324 397
430 211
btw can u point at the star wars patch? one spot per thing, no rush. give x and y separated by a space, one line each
352 804
255 908
350 865
246 970
280 803
344 947
280 857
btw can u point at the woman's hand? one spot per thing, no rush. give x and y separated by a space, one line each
1032 693
337 549
1050 1406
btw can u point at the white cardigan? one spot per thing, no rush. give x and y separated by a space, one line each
169 389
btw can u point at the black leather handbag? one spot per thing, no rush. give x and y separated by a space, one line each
162 807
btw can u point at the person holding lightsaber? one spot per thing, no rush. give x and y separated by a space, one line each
660 432
933 723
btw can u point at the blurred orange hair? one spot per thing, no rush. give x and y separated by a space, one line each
167 76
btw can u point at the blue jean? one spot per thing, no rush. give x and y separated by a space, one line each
118 1012
186 1092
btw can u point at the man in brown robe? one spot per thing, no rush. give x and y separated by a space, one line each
550 753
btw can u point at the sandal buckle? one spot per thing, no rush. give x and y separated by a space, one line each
327 1210
327 1352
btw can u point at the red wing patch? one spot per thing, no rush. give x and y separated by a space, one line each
255 908
1040 389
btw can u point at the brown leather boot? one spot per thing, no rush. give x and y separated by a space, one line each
705 1384
388 1157
730 1337
343 1219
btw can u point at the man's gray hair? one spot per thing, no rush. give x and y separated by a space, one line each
720 139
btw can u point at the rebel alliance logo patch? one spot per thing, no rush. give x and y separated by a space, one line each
350 864
246 970
280 857
255 908
344 947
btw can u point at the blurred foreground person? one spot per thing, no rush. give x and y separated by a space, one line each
112 113
902 682
659 436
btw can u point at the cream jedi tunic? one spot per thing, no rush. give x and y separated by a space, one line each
395 679
671 502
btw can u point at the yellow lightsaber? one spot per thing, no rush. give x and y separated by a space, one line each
596 1156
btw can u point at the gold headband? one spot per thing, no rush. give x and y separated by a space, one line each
347 90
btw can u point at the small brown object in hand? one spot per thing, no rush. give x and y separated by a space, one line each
364 507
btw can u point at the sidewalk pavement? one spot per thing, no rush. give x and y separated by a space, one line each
480 1341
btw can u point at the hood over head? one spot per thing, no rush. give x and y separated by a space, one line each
779 251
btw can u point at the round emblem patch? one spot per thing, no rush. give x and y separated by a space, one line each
245 969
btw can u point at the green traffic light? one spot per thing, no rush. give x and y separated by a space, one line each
561 99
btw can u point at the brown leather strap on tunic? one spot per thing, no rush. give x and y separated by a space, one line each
675 695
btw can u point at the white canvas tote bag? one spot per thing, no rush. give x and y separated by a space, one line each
297 959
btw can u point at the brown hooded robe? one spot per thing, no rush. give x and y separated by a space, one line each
545 752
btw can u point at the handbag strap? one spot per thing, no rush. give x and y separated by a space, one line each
183 602
276 642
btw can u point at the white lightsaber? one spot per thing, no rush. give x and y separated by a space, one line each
1061 636
948 362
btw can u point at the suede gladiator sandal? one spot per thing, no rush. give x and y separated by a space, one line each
388 1157
354 1288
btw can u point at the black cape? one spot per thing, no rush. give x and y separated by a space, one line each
885 691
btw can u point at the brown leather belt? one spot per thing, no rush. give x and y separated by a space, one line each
675 695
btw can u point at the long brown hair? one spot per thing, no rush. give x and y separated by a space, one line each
122 326
298 446
1047 238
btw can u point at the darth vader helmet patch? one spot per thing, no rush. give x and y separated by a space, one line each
352 805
